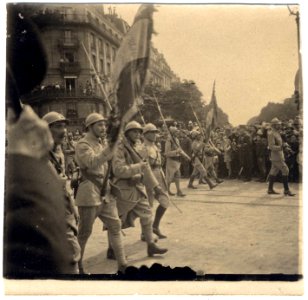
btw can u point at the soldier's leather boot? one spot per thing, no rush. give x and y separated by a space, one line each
122 268
219 181
271 180
158 233
190 183
287 192
169 192
201 181
180 194
160 211
154 249
110 254
80 267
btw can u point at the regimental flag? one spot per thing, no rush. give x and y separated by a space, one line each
212 115
132 61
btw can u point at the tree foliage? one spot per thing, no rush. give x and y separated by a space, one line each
284 111
179 103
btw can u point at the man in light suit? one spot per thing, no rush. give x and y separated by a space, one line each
275 145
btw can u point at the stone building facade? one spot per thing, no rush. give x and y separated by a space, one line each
79 38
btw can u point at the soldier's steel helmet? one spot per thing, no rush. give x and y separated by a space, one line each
133 125
194 133
173 129
93 118
53 117
275 121
149 128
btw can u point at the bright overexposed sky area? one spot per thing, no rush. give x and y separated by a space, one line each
250 50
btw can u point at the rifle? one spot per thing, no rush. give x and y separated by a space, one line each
182 152
96 75
103 187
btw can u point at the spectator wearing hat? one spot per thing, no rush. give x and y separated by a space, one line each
261 154
227 154
92 158
277 158
57 124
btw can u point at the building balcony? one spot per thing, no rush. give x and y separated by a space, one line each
52 92
55 18
70 68
72 43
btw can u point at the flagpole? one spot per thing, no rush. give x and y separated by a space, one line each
97 77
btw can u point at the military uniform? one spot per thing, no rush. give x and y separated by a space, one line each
129 191
198 156
209 154
57 125
92 159
130 177
71 215
276 155
173 160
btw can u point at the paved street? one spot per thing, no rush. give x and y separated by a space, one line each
234 229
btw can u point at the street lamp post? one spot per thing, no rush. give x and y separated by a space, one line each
298 91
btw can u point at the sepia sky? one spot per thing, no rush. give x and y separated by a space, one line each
250 50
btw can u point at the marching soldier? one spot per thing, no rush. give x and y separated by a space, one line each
275 144
154 157
198 153
173 155
92 159
210 151
69 152
57 125
131 175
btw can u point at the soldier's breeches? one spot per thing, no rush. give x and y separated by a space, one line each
87 215
164 200
279 166
199 169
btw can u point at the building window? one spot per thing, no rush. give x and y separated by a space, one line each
71 110
101 66
114 51
70 86
92 40
100 46
94 60
107 50
68 36
69 57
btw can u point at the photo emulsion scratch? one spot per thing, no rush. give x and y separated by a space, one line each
156 143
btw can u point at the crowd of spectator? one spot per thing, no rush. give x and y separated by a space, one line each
244 149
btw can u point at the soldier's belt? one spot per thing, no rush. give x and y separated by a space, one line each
155 167
176 158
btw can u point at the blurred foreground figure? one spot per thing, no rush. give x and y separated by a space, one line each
57 125
35 243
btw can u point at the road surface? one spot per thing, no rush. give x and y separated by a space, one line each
234 229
